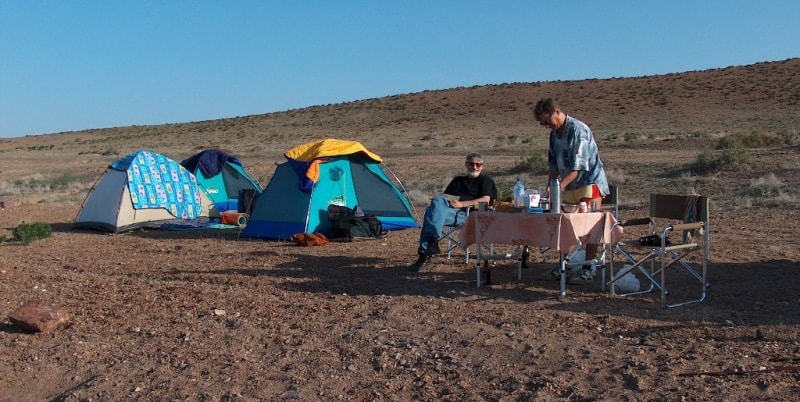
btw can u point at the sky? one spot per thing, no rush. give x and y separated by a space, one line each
75 65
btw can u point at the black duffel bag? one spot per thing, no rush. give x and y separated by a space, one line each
351 223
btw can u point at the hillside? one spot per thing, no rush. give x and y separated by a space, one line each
682 114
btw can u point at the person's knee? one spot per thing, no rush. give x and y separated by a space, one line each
439 202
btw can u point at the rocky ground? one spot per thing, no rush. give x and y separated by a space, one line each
161 315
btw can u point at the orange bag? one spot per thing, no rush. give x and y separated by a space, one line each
308 240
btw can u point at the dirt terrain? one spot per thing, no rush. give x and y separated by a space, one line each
208 316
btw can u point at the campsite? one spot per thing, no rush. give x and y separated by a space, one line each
213 315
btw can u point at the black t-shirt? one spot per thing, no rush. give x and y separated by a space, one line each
469 188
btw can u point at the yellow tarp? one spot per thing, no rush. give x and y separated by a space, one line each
329 147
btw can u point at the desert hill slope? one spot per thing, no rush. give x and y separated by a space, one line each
686 112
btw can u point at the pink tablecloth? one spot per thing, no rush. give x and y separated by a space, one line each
557 231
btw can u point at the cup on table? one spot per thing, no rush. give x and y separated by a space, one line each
545 204
483 206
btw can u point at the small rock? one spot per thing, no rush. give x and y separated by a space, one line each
219 312
36 316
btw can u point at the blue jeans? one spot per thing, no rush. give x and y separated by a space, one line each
437 215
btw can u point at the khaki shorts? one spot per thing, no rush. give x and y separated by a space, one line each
575 196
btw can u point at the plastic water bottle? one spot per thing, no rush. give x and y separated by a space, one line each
519 193
555 196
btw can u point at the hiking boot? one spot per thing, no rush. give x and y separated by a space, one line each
433 248
423 263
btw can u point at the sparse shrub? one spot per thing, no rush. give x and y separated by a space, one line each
768 191
752 140
27 233
2 238
531 164
705 163
735 157
62 181
40 147
767 186
39 184
630 138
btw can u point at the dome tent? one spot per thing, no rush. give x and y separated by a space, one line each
319 174
221 177
143 189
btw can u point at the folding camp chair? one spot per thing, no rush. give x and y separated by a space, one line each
451 234
610 203
686 219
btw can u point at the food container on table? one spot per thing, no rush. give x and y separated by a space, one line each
569 208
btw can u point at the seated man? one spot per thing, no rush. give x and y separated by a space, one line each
470 189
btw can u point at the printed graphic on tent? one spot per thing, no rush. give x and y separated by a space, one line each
142 189
321 173
222 177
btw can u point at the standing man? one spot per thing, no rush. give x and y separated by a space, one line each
574 158
470 189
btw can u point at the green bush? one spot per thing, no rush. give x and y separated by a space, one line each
630 138
705 163
734 158
531 164
752 140
27 233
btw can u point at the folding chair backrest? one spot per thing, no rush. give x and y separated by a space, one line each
611 201
686 208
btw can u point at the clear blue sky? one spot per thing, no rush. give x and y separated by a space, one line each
74 65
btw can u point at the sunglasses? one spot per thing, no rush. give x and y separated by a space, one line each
476 164
546 122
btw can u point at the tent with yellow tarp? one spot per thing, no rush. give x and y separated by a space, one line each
321 173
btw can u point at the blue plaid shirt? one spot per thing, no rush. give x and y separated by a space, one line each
577 150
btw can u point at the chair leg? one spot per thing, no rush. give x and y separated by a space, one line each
698 276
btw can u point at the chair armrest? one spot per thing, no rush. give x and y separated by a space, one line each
686 226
